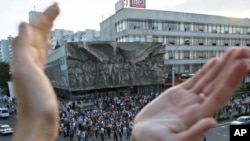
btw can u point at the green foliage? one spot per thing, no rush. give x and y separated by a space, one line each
4 75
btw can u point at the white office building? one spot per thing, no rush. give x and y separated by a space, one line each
190 39
33 14
60 36
6 50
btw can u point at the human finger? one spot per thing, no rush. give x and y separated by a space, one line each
20 46
226 84
198 75
52 12
197 131
219 68
44 22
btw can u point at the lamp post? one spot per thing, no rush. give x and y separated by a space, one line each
173 76
173 64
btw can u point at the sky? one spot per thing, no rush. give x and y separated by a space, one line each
78 15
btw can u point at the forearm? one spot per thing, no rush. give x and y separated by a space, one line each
43 127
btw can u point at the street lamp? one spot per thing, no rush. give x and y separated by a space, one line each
173 49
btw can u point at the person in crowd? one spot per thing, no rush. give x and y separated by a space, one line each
183 112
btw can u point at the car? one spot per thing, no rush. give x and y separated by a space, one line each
4 113
6 129
242 120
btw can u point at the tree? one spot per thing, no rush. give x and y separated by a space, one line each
4 76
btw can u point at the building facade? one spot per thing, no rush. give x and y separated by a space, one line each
6 52
80 69
60 36
190 39
33 14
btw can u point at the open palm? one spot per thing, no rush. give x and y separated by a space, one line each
185 112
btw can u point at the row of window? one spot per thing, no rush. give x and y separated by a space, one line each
194 54
132 24
194 41
184 68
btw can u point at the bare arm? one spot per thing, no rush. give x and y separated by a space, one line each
36 100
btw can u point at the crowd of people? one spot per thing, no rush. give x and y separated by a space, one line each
110 117
240 106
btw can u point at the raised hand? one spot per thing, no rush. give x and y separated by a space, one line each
184 112
36 100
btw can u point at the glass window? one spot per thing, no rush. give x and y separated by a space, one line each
212 54
199 54
248 30
149 38
236 42
225 42
187 27
186 41
201 27
134 24
199 41
137 38
170 54
248 43
171 41
164 25
226 29
214 29
149 24
186 54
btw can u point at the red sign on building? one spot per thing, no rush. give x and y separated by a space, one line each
138 3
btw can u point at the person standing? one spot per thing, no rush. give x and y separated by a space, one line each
84 135
78 135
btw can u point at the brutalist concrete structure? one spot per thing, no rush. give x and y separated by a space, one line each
82 69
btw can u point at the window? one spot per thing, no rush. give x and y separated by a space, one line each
133 24
201 28
212 54
155 38
225 42
215 28
199 54
155 25
186 67
248 43
186 41
149 24
236 42
171 26
164 25
171 56
149 38
248 30
214 41
200 41
171 41
187 27
186 54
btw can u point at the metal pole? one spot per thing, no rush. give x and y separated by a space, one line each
173 76
173 73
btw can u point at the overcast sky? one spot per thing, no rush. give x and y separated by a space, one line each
78 15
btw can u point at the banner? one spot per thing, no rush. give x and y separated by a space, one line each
138 3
